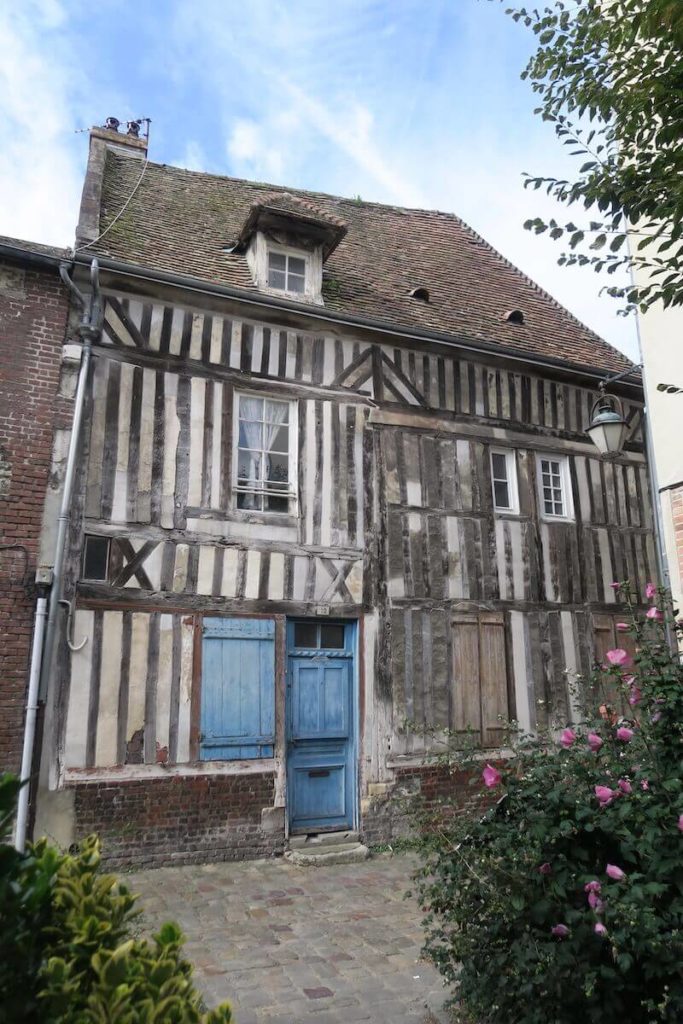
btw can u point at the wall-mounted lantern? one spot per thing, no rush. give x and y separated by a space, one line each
607 427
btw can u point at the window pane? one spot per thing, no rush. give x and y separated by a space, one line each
251 408
277 279
275 504
249 501
249 467
95 558
280 442
499 466
295 284
276 412
305 634
501 495
251 435
332 636
297 266
277 467
277 261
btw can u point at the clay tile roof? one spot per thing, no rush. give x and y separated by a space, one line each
184 221
36 247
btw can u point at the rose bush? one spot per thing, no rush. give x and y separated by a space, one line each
564 903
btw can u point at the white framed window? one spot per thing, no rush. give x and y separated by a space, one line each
504 480
286 271
264 454
554 486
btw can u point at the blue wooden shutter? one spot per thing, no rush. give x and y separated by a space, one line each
238 689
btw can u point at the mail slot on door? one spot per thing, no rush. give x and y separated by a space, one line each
319 773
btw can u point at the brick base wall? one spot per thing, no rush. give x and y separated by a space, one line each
387 816
180 820
33 315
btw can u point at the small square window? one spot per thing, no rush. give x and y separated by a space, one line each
286 273
327 636
555 488
504 480
95 558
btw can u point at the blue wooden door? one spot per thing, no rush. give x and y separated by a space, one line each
238 689
320 726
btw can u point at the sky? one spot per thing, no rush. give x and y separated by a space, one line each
409 102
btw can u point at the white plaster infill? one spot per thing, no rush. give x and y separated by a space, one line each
150 772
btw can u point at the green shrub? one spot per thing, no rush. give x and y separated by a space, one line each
67 951
564 903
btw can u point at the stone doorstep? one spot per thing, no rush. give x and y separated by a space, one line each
313 839
317 849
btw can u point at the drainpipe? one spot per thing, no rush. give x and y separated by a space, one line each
47 617
30 726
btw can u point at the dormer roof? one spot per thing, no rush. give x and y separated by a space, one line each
281 211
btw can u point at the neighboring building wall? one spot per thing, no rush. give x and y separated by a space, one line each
33 314
661 339
460 608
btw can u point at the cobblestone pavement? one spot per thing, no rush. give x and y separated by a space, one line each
287 944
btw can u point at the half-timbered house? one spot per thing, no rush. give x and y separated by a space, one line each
334 495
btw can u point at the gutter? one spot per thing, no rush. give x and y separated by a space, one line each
36 259
258 299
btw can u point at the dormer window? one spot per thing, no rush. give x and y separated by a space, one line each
286 272
286 240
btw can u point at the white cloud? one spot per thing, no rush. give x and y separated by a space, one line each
41 159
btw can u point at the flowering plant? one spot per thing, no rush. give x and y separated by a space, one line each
564 902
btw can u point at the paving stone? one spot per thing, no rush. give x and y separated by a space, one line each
266 934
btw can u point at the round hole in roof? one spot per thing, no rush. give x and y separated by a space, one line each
514 316
419 293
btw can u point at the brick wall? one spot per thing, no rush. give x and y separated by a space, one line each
181 819
33 313
418 796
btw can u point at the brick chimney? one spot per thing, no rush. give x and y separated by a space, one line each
125 140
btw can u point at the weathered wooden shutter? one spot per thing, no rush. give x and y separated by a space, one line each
238 689
606 637
480 696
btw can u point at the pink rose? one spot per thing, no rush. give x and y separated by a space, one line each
545 869
625 786
623 626
594 742
491 776
650 591
624 734
605 795
645 784
615 873
600 929
593 886
654 613
595 903
619 657
567 738
680 822
635 696
560 931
